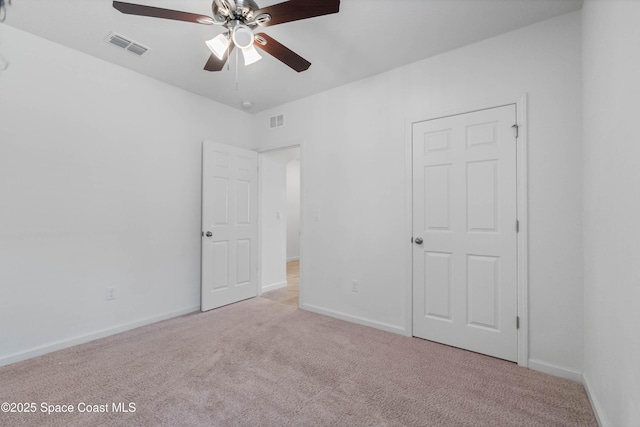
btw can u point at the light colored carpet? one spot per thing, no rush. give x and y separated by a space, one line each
263 363
289 295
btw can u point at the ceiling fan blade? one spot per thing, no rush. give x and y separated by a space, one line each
157 12
215 64
281 52
295 10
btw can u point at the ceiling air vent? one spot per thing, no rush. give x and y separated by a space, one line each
121 41
276 121
137 48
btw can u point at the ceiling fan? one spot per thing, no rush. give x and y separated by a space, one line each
240 18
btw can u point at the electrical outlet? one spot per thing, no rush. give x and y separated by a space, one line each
111 293
354 285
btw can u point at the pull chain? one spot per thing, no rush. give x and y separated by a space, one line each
228 52
236 70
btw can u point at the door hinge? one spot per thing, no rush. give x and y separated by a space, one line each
517 322
515 130
517 226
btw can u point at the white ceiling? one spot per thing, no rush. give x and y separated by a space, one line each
365 38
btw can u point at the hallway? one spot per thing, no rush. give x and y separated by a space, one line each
290 294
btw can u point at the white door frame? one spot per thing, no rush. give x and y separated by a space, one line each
520 102
302 217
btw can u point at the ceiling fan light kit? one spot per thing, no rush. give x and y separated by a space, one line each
251 55
240 18
218 45
242 36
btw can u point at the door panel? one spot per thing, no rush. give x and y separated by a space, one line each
436 198
464 210
482 291
229 213
437 285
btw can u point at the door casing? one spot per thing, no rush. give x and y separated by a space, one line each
522 209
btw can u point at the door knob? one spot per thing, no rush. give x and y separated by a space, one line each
418 240
209 234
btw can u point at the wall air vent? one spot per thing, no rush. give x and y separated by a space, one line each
276 121
123 42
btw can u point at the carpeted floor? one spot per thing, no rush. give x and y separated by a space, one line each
264 363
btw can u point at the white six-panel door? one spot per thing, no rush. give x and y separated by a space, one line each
464 230
229 224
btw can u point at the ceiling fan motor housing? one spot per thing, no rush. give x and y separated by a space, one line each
238 9
236 14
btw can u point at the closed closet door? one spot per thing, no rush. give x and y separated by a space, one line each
464 231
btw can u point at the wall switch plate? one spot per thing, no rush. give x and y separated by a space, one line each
316 216
111 293
354 285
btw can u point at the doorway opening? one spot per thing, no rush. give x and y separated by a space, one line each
280 193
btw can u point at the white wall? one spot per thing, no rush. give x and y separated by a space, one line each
293 210
100 181
273 222
611 38
355 166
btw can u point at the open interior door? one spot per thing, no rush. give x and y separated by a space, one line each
229 224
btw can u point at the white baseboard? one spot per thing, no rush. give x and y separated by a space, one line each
595 403
295 258
59 345
274 286
555 370
355 319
